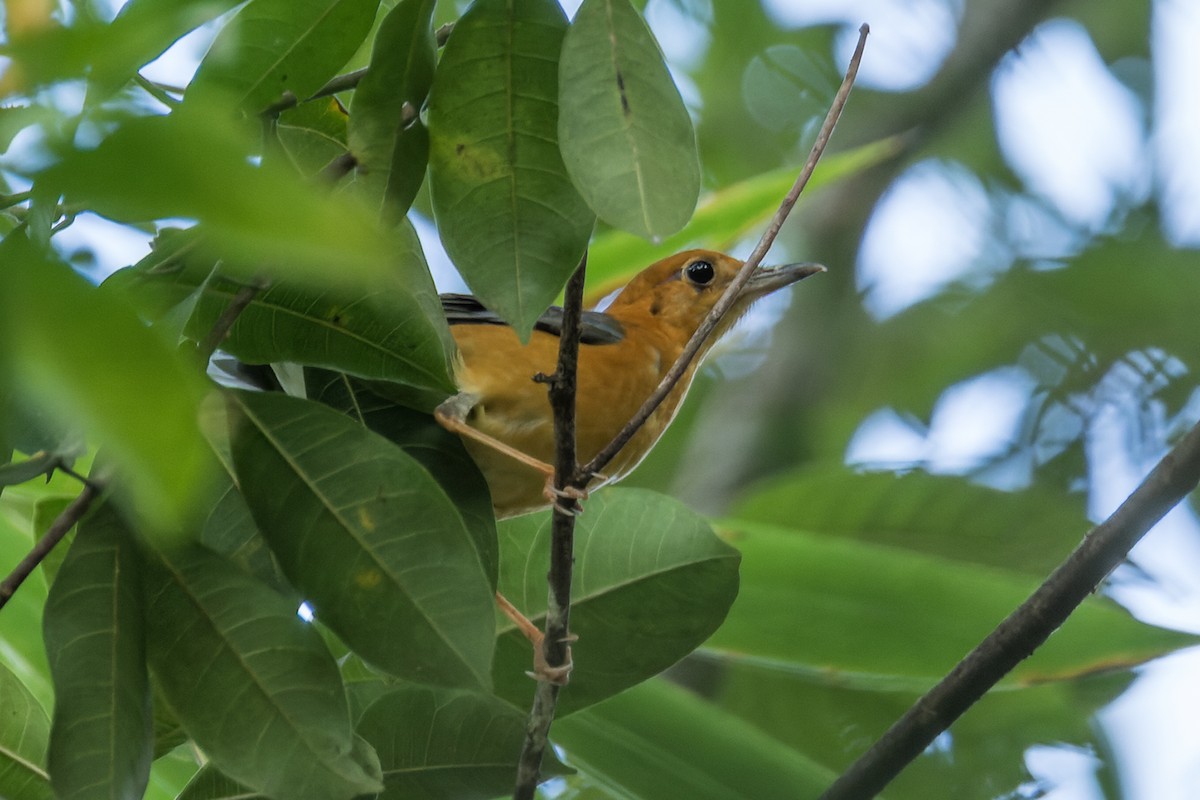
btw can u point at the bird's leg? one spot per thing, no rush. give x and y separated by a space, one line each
452 415
542 671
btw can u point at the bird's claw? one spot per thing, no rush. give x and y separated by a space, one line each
542 671
567 500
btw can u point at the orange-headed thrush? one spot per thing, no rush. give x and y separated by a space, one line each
624 353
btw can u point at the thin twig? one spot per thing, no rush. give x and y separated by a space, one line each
221 328
1101 551
58 529
156 91
562 538
340 83
598 463
10 200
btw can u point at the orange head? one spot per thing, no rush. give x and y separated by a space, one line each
680 290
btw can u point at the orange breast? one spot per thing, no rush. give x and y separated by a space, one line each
614 381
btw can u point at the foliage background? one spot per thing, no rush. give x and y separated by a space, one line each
1009 305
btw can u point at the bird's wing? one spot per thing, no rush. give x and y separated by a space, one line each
597 327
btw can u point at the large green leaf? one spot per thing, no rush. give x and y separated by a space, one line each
658 740
441 453
913 615
651 583
100 744
396 83
252 683
277 46
63 342
275 224
209 784
311 136
722 219
394 330
509 217
24 737
441 743
368 536
626 138
949 517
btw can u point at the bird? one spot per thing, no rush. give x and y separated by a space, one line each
504 416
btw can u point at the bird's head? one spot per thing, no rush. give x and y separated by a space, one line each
681 289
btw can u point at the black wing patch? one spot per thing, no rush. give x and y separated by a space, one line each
598 327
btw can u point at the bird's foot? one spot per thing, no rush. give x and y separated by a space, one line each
542 671
567 500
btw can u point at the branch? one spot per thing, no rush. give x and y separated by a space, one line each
1101 551
597 464
224 323
58 529
562 537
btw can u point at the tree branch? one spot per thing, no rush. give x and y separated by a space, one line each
224 323
597 464
562 537
58 529
1105 547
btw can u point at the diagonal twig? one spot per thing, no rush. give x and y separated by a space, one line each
710 322
1101 551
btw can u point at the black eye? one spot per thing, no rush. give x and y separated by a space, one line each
700 273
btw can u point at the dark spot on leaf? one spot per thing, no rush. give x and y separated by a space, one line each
621 89
459 148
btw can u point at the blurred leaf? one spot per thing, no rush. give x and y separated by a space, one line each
1029 531
441 453
108 55
723 218
658 740
651 583
626 137
368 536
277 46
86 358
913 615
24 737
981 758
508 215
396 83
252 683
395 330
27 469
440 743
790 88
100 744
275 224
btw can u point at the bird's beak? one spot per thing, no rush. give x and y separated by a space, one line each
768 279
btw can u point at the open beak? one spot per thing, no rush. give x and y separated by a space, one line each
767 279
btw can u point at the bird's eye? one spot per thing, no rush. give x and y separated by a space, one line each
700 273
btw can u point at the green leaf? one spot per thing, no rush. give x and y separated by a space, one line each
275 224
100 743
1029 531
368 536
394 330
277 46
107 54
24 736
251 682
209 784
626 137
914 616
27 469
440 743
651 583
723 217
65 342
441 453
509 217
658 740
391 151
310 136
